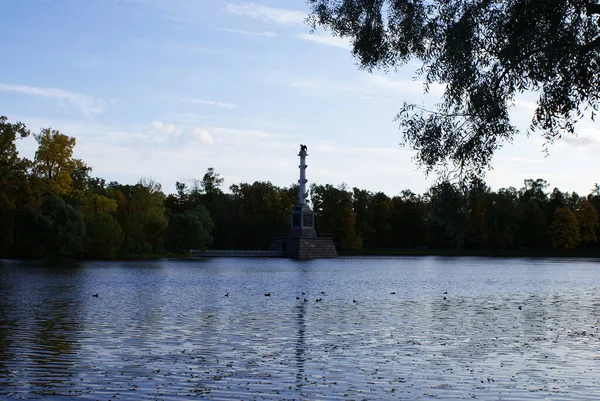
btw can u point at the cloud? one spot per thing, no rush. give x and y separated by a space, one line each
277 15
86 104
327 40
370 87
169 129
206 102
203 135
586 138
266 34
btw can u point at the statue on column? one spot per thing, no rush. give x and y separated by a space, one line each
303 148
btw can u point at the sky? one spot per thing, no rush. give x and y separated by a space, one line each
165 89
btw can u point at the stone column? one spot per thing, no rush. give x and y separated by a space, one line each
302 181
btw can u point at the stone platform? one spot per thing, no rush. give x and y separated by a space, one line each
304 247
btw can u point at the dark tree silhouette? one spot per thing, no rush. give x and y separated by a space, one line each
484 52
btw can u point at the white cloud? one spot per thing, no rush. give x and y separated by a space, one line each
371 87
86 104
277 15
202 135
206 102
327 40
587 137
164 130
266 34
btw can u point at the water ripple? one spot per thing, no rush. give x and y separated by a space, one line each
168 333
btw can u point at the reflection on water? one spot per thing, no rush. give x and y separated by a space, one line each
421 328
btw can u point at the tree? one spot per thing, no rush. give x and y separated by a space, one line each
382 211
103 236
32 233
484 53
503 217
361 200
103 232
587 216
409 220
149 199
532 209
211 182
54 163
56 229
14 187
189 230
564 229
255 213
447 211
141 214
477 199
334 214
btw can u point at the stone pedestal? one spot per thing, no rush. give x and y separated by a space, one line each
302 222
304 247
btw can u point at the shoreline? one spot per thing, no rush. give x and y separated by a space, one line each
377 252
500 253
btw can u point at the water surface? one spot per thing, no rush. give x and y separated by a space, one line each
384 328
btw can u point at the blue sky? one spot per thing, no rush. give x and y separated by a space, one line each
167 88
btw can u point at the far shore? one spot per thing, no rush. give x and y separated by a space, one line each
504 253
375 252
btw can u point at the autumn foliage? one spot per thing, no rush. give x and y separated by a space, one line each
53 206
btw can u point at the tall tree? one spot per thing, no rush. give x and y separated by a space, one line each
483 53
14 187
189 230
533 228
142 215
447 211
56 229
261 211
587 216
477 203
504 216
54 163
564 229
382 212
361 200
211 182
103 232
409 220
334 214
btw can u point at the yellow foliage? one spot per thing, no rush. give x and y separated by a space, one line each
98 204
54 162
564 229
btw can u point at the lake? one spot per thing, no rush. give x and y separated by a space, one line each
403 328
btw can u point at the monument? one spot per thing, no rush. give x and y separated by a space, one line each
303 242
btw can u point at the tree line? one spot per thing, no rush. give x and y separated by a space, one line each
53 206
